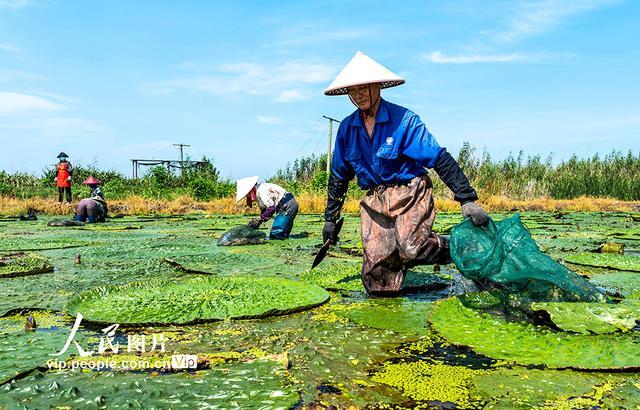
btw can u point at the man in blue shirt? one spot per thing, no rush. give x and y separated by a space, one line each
388 148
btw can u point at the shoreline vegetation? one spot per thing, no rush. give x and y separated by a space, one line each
516 183
309 204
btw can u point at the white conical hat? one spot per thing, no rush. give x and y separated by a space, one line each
244 185
362 70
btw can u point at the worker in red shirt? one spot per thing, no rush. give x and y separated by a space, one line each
64 172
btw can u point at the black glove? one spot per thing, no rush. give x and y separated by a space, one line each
472 210
451 174
336 194
328 232
255 223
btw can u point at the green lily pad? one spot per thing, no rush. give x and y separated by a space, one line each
527 344
587 318
627 283
240 385
397 314
526 388
335 277
22 264
39 243
196 299
22 351
606 260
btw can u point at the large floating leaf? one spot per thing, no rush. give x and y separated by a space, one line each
589 318
196 299
606 260
21 350
627 283
242 385
531 345
525 388
39 243
21 264
397 314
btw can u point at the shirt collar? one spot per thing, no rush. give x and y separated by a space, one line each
381 116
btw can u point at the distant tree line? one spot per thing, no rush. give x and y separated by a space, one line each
202 183
615 175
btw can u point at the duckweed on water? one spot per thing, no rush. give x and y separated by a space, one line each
424 381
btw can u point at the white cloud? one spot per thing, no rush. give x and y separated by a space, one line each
18 103
542 16
265 119
11 75
280 80
437 57
13 4
9 47
289 96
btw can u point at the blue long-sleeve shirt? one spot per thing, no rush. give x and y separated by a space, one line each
399 150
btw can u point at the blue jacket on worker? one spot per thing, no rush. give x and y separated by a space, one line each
398 151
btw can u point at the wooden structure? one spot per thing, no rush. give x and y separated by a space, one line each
170 164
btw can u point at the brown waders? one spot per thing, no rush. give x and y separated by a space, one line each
396 226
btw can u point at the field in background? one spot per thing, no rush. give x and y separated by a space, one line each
309 203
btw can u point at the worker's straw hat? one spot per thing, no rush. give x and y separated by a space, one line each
91 181
62 155
244 186
362 70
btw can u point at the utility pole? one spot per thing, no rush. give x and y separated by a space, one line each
329 139
181 157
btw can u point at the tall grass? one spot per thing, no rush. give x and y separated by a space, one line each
615 175
517 182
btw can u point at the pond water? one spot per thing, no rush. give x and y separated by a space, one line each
424 348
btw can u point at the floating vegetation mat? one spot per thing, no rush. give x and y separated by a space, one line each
244 385
350 352
38 243
196 299
588 318
606 260
22 264
527 344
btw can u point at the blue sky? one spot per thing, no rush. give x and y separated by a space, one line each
242 81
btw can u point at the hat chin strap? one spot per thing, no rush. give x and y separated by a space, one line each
370 112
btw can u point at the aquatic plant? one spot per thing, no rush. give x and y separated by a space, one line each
423 381
627 283
21 264
397 314
528 344
196 299
240 385
606 260
590 318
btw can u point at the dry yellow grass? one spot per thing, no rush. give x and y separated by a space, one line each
309 203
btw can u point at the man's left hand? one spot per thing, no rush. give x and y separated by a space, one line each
255 223
478 216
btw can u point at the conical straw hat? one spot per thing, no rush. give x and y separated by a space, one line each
91 181
244 185
362 70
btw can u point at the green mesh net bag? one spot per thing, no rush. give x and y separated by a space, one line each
504 253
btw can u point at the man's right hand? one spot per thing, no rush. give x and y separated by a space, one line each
328 232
